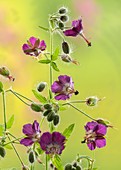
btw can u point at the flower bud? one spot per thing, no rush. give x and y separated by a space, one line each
56 120
51 116
55 107
61 25
68 167
104 122
36 107
5 72
31 157
64 18
75 164
78 167
65 47
41 86
62 10
2 152
92 101
48 106
46 112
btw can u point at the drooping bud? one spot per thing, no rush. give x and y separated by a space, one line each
50 116
104 122
36 107
66 58
64 18
92 101
48 106
78 167
62 10
2 152
31 157
56 120
68 167
61 25
6 73
65 47
41 86
46 112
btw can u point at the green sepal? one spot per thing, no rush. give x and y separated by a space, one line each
54 66
41 98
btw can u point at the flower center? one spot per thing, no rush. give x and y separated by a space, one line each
53 149
90 135
36 136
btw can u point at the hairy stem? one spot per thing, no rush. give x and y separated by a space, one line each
4 110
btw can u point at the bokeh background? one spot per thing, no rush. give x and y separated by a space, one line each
99 72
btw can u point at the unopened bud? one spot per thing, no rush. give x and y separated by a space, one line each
65 47
61 25
36 107
64 18
104 122
46 112
6 73
31 157
68 167
41 86
48 106
78 167
2 152
63 10
51 116
56 120
92 101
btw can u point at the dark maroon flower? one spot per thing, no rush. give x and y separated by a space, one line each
34 46
64 88
52 143
32 131
95 135
77 29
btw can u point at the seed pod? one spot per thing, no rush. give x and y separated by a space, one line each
68 167
56 120
36 107
51 116
41 86
5 72
31 157
92 101
63 10
61 25
2 152
78 167
65 47
48 106
75 164
46 112
73 168
64 18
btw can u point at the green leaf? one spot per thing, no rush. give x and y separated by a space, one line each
95 168
39 96
1 130
52 24
45 61
1 87
55 54
67 132
39 151
8 146
57 162
10 122
54 66
62 108
46 29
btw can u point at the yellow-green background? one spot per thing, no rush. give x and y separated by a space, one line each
99 72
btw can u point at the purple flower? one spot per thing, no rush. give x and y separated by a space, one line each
95 135
34 46
52 143
32 131
64 88
77 29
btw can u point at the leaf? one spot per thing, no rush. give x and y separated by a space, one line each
46 29
57 162
1 130
10 122
54 66
52 24
44 61
62 108
39 96
1 86
55 54
67 132
95 168
8 146
39 151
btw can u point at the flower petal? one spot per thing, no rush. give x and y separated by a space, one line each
25 47
42 45
45 140
71 32
91 145
100 142
77 24
58 138
26 142
28 130
62 97
102 129
32 40
64 79
36 126
91 125
56 87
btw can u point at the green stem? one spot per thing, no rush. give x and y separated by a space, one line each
41 122
81 111
75 101
4 110
16 152
23 96
19 97
51 52
46 162
12 141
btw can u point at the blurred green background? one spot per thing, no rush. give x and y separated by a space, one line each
99 72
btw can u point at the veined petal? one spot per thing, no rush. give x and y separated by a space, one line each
36 126
62 97
91 125
32 40
100 142
25 47
77 24
71 32
64 79
102 129
42 45
28 130
26 142
56 87
45 140
91 145
58 138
